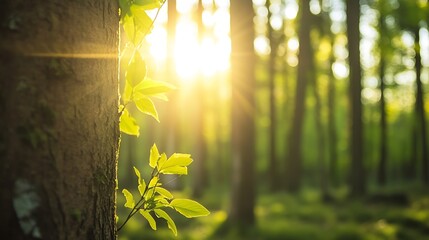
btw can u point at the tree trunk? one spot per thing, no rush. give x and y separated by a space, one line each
420 111
333 156
201 174
320 140
59 104
272 171
294 161
382 166
357 171
243 113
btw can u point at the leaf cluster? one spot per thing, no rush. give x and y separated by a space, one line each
153 198
139 88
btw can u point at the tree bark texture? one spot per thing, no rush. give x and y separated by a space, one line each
243 113
59 125
357 171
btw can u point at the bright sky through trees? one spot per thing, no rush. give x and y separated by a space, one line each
211 55
192 57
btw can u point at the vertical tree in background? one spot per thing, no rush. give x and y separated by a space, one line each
409 17
294 160
325 28
383 40
357 171
171 129
271 67
242 112
201 174
60 130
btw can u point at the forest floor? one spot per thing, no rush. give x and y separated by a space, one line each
387 215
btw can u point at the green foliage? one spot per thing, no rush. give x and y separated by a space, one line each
153 197
139 90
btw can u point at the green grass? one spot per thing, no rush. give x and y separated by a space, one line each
283 216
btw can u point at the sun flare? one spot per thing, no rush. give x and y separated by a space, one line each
194 56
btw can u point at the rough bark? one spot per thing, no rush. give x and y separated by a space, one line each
243 113
59 101
357 171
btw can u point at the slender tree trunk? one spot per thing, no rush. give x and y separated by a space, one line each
272 172
170 142
201 174
59 107
243 113
294 164
170 136
333 157
420 111
320 140
357 171
382 166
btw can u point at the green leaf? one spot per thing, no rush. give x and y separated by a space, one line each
171 225
140 181
142 23
128 93
145 105
161 161
175 170
148 4
177 159
189 208
149 218
136 70
161 202
161 96
153 182
128 124
130 203
154 156
164 192
125 7
128 23
150 87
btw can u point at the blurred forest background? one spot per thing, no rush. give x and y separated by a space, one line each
306 119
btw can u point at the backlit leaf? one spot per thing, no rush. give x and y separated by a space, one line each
153 182
181 170
189 208
150 87
149 218
164 192
154 156
142 23
136 70
145 105
161 160
171 225
128 91
130 203
177 159
128 124
128 24
148 4
141 183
